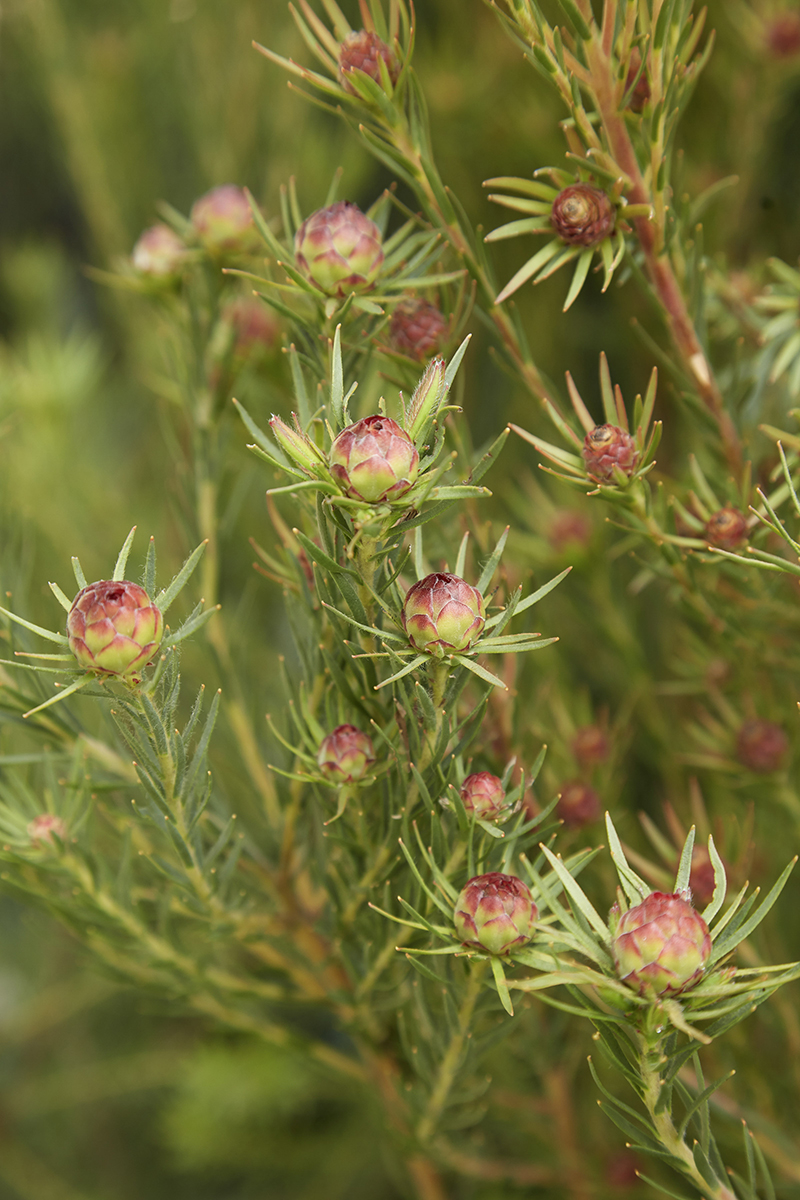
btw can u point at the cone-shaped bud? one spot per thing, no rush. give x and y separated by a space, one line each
338 249
443 614
159 253
345 755
416 327
578 804
661 946
114 628
41 829
483 794
583 215
428 396
295 445
726 528
223 221
606 447
495 912
590 745
362 51
374 460
761 746
641 92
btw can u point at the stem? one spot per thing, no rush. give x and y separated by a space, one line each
650 1059
452 1059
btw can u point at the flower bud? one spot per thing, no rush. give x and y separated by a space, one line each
361 51
726 528
660 946
443 614
42 828
253 326
223 221
114 628
345 755
578 804
783 35
569 528
608 446
416 327
159 253
374 460
338 249
590 745
761 746
295 444
495 912
483 794
583 215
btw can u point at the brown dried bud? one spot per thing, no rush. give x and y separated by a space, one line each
578 804
583 215
726 528
417 327
608 446
362 51
590 745
641 93
761 746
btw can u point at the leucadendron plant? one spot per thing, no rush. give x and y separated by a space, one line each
399 882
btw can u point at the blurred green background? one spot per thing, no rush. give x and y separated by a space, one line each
106 109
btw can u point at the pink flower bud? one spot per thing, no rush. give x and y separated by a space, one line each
253 325
374 460
608 446
416 328
345 755
783 35
160 254
483 794
583 215
443 614
761 746
569 528
661 946
578 804
590 745
726 528
223 220
114 628
495 912
362 51
338 249
41 829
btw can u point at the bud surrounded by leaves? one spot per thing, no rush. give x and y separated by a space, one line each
660 946
338 249
443 614
114 628
362 50
416 328
606 447
483 794
761 746
159 253
495 912
345 755
223 220
583 215
726 528
374 460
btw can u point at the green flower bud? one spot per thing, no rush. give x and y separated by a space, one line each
606 447
374 460
159 254
443 614
295 444
660 946
495 912
114 628
345 755
223 221
338 249
483 794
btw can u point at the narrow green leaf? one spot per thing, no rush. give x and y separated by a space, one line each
165 598
122 560
685 865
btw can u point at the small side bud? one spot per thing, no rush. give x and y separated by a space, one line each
578 804
590 745
427 399
417 327
295 445
160 254
223 221
726 528
583 215
345 755
483 794
362 50
761 746
606 447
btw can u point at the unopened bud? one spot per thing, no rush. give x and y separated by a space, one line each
590 745
160 254
578 804
374 460
428 396
495 912
483 795
583 215
345 755
761 746
295 444
783 35
338 249
606 447
362 50
661 946
443 614
416 327
223 220
726 528
114 628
